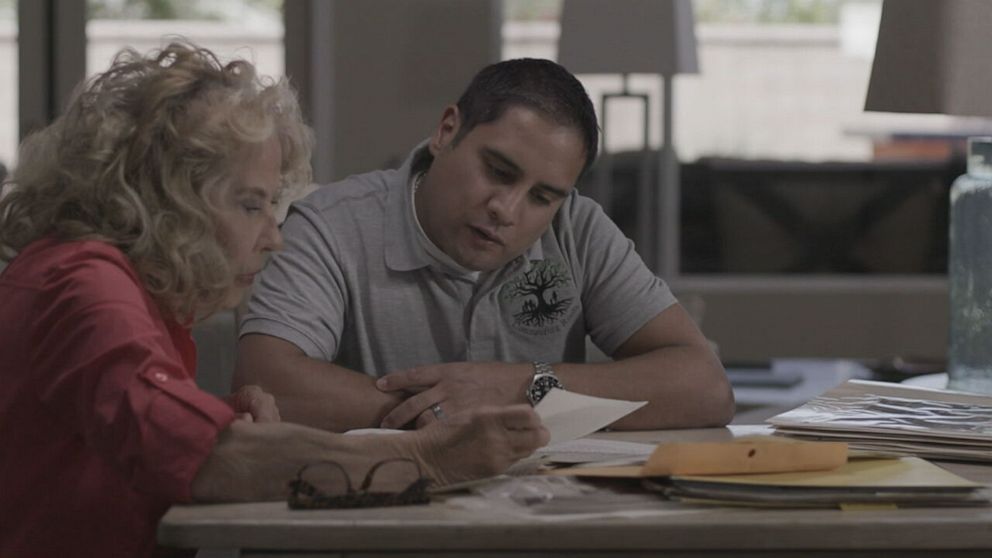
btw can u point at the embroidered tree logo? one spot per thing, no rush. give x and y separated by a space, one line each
537 287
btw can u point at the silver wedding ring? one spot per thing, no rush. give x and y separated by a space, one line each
438 413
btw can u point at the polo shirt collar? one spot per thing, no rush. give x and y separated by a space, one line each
536 250
403 251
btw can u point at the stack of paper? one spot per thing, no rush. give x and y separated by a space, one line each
893 419
906 481
767 471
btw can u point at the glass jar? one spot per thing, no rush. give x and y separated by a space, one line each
970 273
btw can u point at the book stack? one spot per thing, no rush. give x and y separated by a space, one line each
896 420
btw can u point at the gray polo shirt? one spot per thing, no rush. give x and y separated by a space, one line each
353 285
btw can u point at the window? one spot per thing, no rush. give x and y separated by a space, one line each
798 72
250 29
8 76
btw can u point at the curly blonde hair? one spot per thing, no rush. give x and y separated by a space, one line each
134 158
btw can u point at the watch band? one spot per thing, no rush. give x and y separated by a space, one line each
544 381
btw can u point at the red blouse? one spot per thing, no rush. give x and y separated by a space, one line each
101 424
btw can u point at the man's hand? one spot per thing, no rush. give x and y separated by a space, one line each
478 443
311 391
252 404
454 387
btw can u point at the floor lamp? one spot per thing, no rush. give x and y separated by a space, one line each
643 37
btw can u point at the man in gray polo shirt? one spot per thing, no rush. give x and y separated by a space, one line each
471 276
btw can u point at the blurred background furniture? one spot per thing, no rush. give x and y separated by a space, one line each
646 37
780 217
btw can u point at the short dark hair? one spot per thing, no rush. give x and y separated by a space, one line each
538 84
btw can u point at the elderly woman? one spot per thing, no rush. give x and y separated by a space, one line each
148 206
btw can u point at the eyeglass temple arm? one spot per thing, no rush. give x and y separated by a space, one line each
371 474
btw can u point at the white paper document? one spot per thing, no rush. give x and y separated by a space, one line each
569 415
592 450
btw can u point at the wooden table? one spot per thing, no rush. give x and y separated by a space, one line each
270 529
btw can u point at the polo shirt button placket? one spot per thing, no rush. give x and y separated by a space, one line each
470 337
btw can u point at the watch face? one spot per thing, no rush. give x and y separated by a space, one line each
541 386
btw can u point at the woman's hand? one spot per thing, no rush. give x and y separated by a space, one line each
478 443
252 404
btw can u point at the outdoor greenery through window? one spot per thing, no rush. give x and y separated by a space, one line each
213 10
8 76
821 12
251 29
707 11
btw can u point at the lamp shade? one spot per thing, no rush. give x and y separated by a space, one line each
628 36
933 57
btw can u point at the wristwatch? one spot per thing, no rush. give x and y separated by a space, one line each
544 380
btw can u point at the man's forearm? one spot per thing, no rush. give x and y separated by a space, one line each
330 397
668 363
685 387
309 391
684 384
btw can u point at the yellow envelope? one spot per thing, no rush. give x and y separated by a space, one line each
756 454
